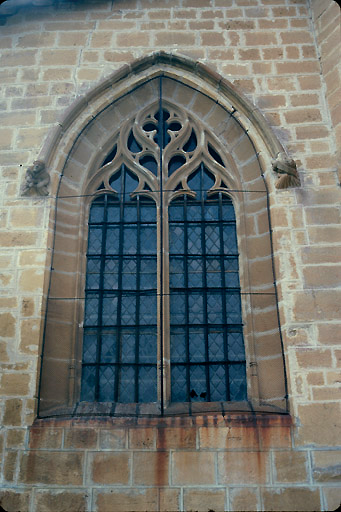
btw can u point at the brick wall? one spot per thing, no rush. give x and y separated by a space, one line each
270 50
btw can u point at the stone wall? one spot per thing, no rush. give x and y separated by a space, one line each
52 53
327 22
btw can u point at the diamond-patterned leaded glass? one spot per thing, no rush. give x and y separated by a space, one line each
119 357
139 296
207 307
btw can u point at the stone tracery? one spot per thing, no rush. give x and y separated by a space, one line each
183 144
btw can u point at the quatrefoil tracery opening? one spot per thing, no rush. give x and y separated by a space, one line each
163 147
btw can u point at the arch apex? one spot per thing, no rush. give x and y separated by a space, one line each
170 64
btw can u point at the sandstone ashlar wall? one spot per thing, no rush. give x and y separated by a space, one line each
235 462
327 22
269 49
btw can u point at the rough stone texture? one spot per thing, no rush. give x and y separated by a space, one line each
291 499
283 55
60 501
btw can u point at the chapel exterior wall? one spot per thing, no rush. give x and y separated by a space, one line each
282 55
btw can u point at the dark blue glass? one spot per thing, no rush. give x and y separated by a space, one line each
194 242
147 382
108 348
195 308
130 240
195 276
218 382
91 310
148 239
147 345
127 384
88 383
176 272
197 345
237 377
176 239
179 383
110 278
95 240
89 348
178 308
216 344
96 213
206 309
106 378
129 274
148 274
113 240
109 311
198 383
148 309
176 211
178 344
128 309
128 347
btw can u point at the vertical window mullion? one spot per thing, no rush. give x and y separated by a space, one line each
204 278
119 287
100 298
186 290
223 292
138 298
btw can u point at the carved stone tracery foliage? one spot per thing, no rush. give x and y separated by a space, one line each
163 148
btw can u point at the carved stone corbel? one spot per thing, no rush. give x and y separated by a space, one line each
37 179
286 168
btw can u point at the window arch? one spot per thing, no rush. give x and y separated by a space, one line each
200 139
181 294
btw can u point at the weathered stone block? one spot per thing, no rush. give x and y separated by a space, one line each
61 500
110 468
327 466
7 325
15 438
80 438
204 499
51 467
242 499
30 335
291 499
227 438
177 438
13 410
15 384
320 424
169 499
243 468
126 500
45 437
13 499
151 468
291 467
193 468
114 439
142 438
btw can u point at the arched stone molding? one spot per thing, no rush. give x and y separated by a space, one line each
86 108
80 144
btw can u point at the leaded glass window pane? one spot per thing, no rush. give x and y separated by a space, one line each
126 300
205 301
119 356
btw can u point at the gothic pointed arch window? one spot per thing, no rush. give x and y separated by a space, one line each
161 296
162 269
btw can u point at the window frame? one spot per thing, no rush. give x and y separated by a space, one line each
71 183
